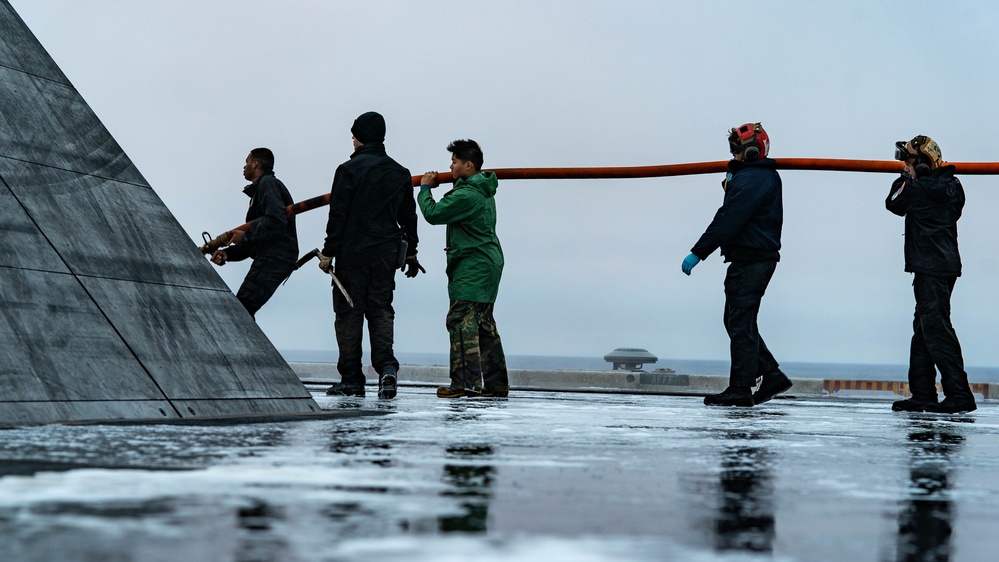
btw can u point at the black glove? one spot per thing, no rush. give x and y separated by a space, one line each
412 267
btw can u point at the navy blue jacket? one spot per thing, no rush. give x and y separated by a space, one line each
371 208
747 227
931 206
272 232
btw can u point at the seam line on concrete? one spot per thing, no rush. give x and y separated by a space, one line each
33 75
78 172
74 274
92 299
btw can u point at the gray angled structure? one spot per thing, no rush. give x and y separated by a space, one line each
88 330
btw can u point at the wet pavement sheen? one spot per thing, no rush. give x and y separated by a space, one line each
541 476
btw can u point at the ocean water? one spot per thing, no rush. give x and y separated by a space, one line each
841 371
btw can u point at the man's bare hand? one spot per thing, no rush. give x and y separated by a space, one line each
430 179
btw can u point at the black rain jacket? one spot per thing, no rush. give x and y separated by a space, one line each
748 225
272 232
931 206
371 208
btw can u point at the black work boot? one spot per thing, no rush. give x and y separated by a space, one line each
386 383
911 405
954 406
732 396
958 397
773 384
341 389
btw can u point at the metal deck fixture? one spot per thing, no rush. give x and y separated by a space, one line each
630 358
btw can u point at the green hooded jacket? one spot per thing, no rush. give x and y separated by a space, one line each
474 255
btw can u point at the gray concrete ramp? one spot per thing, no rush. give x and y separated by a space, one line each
107 310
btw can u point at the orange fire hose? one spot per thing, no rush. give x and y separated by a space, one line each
694 168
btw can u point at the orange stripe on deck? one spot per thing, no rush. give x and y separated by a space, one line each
897 387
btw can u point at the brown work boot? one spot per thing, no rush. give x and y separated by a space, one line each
448 392
497 392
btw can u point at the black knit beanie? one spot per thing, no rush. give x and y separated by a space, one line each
369 127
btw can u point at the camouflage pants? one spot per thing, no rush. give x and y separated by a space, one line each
477 359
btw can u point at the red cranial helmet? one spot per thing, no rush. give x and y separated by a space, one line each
749 139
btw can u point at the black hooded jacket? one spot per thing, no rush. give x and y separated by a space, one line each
931 205
371 208
748 225
272 232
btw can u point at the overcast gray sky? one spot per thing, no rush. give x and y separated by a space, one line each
187 87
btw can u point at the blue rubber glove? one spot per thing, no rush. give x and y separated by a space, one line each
689 262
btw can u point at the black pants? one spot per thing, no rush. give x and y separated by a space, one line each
745 285
264 277
934 343
370 286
